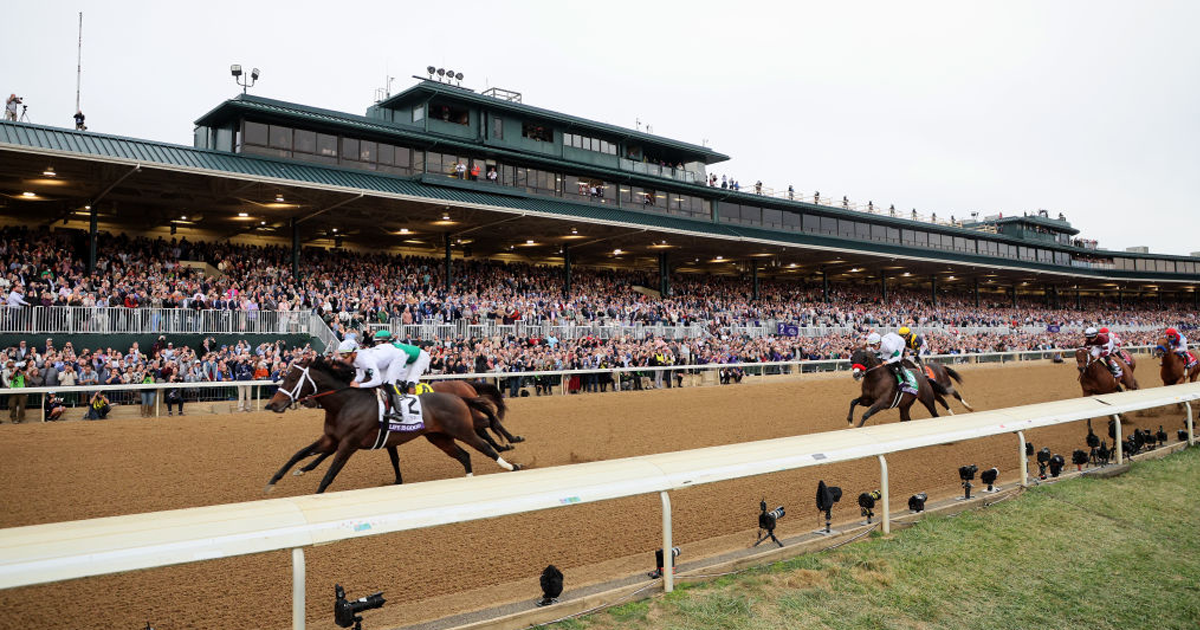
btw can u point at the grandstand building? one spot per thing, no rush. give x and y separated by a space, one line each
442 169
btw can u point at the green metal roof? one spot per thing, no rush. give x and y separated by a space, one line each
427 89
177 157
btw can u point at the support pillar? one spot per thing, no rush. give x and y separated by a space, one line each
668 558
933 290
1195 298
298 588
664 274
295 249
1014 296
1120 449
1191 428
1078 300
1046 293
1120 298
92 229
449 279
1024 460
883 490
825 285
977 292
754 280
566 272
883 285
1160 298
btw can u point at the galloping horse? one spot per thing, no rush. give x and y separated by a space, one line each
352 419
945 377
1174 368
1095 377
881 391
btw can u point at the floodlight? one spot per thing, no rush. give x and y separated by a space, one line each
658 558
430 70
766 523
449 74
441 72
236 70
458 76
916 503
254 74
989 477
1056 465
552 585
1079 458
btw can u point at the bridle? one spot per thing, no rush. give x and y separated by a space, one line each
306 379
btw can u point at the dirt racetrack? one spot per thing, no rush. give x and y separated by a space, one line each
67 471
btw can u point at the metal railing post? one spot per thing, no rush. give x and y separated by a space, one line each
1024 460
1120 451
1190 425
297 588
668 559
883 488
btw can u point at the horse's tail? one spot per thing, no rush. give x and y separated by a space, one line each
952 374
484 406
938 388
492 393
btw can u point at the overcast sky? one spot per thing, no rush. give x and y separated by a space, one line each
1087 108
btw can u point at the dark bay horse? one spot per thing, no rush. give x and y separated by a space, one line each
881 391
352 419
945 377
487 391
1095 377
1174 368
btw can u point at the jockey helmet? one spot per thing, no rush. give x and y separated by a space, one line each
904 331
1171 332
1091 332
383 336
873 339
1104 330
348 346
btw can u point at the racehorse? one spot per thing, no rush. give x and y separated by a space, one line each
881 391
1095 377
484 419
945 377
1174 368
352 419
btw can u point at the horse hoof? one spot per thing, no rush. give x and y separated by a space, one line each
269 488
517 438
517 467
297 473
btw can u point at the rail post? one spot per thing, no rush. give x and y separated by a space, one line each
883 488
297 588
1024 460
1190 424
668 558
1120 451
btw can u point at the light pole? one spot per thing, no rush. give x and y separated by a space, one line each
236 71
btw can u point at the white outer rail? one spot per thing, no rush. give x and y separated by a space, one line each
60 551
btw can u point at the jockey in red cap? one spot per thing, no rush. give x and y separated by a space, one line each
1101 346
1177 343
1117 343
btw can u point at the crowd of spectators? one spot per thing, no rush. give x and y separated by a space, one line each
351 290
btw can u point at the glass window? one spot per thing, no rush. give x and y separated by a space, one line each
539 133
845 228
862 231
772 218
908 237
256 133
387 154
730 212
811 223
327 145
418 113
893 235
829 225
349 149
752 215
281 137
878 232
367 151
498 128
960 243
403 157
791 221
306 141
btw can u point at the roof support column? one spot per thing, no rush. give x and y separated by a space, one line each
449 279
933 290
1120 299
1195 298
824 285
1160 298
566 272
295 249
1049 301
92 228
1078 299
754 280
664 274
883 285
1014 296
976 291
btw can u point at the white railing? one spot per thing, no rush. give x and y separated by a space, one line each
60 551
120 320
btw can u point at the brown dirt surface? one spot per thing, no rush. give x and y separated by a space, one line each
76 470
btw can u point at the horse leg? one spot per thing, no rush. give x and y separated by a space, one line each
448 447
311 466
960 399
478 444
395 457
874 409
930 405
345 449
482 432
942 401
300 454
500 430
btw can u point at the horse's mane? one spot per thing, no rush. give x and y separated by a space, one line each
338 370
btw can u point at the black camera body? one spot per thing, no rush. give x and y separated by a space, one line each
967 473
346 612
767 520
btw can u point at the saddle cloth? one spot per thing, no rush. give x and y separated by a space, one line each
1191 360
410 409
908 381
929 373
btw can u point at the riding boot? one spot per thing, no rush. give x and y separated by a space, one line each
396 399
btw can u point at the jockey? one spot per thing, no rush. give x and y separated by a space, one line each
1178 343
915 345
890 350
409 371
1117 343
1101 346
377 365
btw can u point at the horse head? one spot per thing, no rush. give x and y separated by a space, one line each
296 384
1083 358
861 361
1160 347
